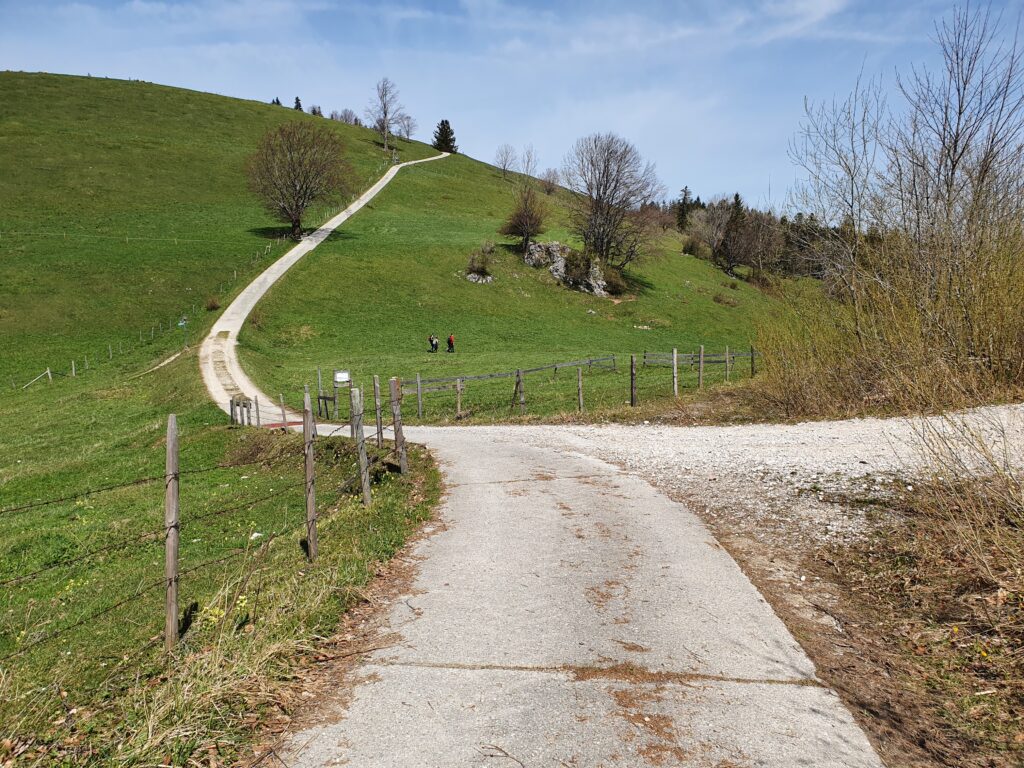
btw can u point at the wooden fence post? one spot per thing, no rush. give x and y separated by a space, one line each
579 389
700 369
256 400
171 535
675 372
632 381
376 408
356 416
419 397
458 398
49 374
521 391
319 386
726 362
396 415
284 415
110 352
753 365
231 404
73 373
307 439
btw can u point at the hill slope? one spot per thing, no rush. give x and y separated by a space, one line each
123 204
368 297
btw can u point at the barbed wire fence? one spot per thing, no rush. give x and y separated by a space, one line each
317 501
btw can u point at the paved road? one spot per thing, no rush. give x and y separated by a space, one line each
571 615
568 615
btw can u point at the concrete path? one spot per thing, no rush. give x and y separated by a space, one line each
571 615
218 358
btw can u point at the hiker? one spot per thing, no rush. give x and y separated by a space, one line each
432 340
451 342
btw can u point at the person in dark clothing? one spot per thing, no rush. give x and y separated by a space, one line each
433 342
451 342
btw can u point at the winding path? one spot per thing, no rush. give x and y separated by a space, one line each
566 613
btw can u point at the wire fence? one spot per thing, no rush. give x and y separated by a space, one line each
316 502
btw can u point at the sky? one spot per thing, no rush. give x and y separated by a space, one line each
711 91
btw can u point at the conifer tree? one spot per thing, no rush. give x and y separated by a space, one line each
298 104
444 138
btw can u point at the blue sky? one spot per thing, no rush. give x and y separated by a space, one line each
711 92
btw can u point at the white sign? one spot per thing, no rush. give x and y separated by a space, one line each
341 378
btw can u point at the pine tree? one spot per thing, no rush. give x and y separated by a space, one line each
730 253
298 104
684 209
444 138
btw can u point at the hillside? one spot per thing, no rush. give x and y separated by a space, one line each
122 205
368 298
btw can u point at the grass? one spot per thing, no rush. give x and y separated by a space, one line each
123 205
367 299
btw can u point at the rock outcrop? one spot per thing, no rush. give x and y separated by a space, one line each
558 257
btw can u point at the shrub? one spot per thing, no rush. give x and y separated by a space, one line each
614 281
480 260
721 298
212 304
577 267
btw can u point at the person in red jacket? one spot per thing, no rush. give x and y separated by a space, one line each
451 342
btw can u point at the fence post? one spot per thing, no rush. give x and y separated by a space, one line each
284 415
579 389
753 365
700 369
675 372
319 388
110 352
49 374
632 381
73 373
171 535
307 440
356 416
726 362
256 400
419 397
396 415
521 391
376 408
458 398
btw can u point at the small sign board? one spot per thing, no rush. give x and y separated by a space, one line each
342 378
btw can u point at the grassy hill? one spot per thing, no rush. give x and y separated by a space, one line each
123 205
368 298
84 164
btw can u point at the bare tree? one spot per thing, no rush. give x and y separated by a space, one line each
505 158
346 116
385 110
549 181
529 213
612 183
295 165
528 161
406 126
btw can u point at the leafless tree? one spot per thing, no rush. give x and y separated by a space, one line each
385 110
612 184
549 181
406 126
505 158
295 165
346 116
529 213
528 161
921 207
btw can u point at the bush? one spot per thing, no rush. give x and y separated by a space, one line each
721 298
614 281
577 267
212 304
481 259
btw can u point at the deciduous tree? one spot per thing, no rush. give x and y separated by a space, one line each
385 110
505 158
295 165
